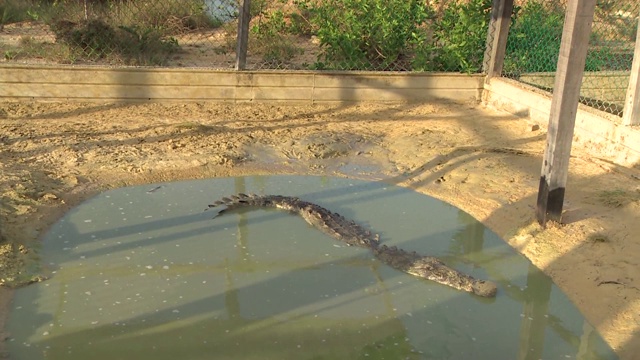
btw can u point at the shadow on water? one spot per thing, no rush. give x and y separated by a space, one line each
170 283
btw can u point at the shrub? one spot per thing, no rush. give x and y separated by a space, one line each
534 39
12 11
400 34
132 45
460 36
534 43
271 38
368 34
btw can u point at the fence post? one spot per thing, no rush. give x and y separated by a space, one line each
631 112
243 35
564 105
499 26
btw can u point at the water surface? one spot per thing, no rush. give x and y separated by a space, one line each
144 273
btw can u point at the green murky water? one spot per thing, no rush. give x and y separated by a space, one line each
144 273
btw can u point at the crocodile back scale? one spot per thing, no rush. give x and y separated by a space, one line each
340 228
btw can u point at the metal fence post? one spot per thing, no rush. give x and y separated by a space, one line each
499 25
631 112
243 35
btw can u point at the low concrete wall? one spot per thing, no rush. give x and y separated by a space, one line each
146 84
599 130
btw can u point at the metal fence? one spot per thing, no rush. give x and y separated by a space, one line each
396 35
119 32
534 42
385 35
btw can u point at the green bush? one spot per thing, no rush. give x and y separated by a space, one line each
399 34
534 39
12 11
271 38
368 34
460 36
534 43
96 39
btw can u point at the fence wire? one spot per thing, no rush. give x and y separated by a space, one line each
114 32
534 40
383 35
395 35
610 55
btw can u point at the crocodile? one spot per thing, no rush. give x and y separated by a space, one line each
351 233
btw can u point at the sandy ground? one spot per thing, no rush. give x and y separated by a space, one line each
53 155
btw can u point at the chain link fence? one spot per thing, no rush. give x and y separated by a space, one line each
385 35
119 32
382 35
379 35
534 40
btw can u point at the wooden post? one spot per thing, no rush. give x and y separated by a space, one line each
499 25
243 35
537 295
631 112
564 105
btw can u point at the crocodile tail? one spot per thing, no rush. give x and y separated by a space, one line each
240 200
231 200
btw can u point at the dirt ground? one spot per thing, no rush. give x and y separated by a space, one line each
54 155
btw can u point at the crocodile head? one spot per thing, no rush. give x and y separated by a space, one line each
484 288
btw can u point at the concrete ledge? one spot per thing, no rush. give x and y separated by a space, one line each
152 84
596 129
601 131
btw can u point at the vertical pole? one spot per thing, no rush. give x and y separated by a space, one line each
536 306
243 35
631 112
564 105
499 26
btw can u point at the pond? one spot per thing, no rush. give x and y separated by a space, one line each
143 272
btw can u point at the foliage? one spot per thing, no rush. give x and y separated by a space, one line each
169 16
29 48
131 32
368 34
15 11
96 39
271 23
144 46
399 34
460 36
534 39
271 38
534 43
353 34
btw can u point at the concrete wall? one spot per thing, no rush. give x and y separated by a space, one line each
600 131
146 84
